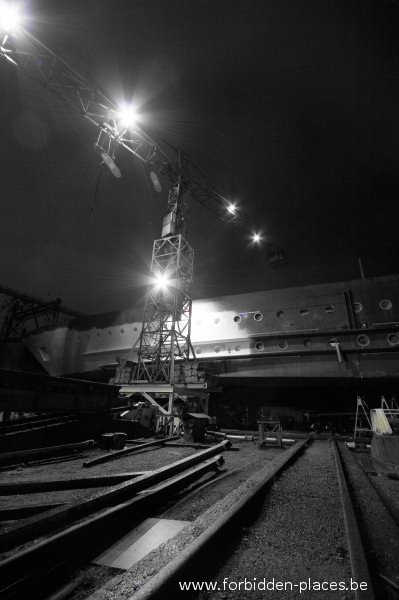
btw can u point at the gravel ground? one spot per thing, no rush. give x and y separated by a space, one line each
112 584
299 534
145 460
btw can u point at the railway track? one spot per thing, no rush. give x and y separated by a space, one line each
292 539
294 534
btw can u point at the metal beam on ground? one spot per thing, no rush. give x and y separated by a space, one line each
29 528
20 572
54 485
25 456
121 453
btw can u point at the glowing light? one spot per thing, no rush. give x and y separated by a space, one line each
161 280
256 238
127 116
10 16
232 208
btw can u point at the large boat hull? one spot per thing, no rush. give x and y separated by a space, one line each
333 330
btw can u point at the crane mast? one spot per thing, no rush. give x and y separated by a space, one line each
166 327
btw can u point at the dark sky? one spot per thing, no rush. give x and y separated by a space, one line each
290 107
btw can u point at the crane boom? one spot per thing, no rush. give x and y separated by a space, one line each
73 88
167 314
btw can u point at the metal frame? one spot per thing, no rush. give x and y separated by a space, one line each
166 331
74 89
19 308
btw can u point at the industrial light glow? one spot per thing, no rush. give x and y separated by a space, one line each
232 208
256 238
11 17
127 116
161 280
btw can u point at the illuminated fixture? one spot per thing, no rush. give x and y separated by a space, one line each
126 116
10 16
161 280
232 208
256 238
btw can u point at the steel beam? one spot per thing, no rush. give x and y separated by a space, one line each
121 453
64 515
20 572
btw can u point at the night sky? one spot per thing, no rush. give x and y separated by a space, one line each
291 109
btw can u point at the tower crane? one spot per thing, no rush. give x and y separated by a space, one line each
167 314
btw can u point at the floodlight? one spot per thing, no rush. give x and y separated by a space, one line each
161 280
10 16
232 208
256 238
126 116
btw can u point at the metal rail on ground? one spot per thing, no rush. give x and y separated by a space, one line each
30 568
29 529
121 453
360 570
160 586
26 456
54 485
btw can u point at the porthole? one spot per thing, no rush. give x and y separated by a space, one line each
385 304
237 348
259 346
303 312
122 331
134 329
307 343
283 344
237 319
357 307
280 314
217 348
363 340
258 316
198 351
393 339
329 309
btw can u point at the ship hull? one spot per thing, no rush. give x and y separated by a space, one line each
343 330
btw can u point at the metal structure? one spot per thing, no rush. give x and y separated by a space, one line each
167 315
19 308
166 322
